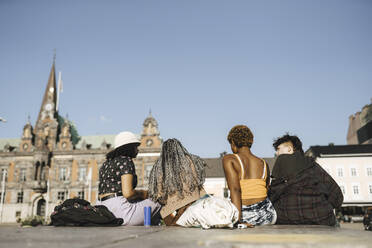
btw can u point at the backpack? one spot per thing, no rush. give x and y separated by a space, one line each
79 212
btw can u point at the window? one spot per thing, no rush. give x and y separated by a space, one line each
82 174
20 197
369 171
81 194
61 196
370 189
343 189
3 170
353 172
42 174
18 214
356 190
340 173
62 174
22 175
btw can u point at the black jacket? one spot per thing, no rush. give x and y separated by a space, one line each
305 194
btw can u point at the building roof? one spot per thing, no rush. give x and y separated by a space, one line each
10 141
215 169
318 151
95 141
270 162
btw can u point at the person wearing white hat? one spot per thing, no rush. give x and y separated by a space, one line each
118 180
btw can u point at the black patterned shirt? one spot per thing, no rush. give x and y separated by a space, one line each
111 171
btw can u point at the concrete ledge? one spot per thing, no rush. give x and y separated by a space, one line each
111 237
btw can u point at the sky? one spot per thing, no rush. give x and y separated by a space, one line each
202 67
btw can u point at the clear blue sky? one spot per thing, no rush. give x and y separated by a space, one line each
201 66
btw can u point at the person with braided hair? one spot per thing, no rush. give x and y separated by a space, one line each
248 179
176 180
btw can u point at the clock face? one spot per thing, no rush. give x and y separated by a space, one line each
149 142
48 106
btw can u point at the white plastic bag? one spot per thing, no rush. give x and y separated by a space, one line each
210 211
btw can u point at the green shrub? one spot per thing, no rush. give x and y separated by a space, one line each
33 221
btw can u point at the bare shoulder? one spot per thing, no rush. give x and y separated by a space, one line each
228 159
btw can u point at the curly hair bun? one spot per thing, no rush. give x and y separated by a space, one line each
241 135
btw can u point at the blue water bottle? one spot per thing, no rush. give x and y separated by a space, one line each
147 220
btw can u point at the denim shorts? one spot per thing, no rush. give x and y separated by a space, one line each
261 213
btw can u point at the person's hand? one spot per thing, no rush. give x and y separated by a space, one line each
139 195
144 194
243 225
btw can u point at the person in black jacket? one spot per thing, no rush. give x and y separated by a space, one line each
301 191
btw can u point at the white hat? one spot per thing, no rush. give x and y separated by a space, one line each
125 138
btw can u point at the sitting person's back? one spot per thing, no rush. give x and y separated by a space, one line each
176 180
247 177
302 192
252 184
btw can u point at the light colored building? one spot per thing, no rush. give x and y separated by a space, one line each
215 182
351 167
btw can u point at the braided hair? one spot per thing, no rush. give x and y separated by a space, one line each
176 171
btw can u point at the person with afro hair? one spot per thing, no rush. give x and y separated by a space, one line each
248 178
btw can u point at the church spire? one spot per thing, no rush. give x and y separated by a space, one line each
48 106
46 128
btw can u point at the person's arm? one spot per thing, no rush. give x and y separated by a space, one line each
171 219
333 191
128 191
232 178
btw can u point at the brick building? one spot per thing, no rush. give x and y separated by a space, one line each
51 163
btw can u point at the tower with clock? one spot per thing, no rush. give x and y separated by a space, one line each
64 142
150 136
46 127
27 140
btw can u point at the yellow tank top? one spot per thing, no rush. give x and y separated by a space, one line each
252 188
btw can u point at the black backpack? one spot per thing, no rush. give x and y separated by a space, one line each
78 212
